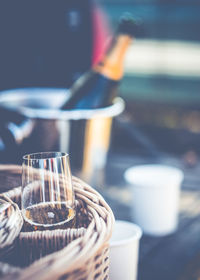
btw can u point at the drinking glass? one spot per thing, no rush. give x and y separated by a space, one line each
47 191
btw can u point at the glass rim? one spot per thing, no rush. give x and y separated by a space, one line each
44 155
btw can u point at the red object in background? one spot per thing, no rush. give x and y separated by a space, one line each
101 33
49 43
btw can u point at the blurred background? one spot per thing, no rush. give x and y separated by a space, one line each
162 70
48 44
161 81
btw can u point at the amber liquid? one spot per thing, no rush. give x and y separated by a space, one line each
48 216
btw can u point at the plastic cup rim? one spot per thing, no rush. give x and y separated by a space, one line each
136 236
128 171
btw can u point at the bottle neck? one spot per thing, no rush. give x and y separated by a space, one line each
112 64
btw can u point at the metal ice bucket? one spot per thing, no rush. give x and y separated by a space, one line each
84 134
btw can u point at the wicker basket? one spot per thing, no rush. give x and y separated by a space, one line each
11 222
79 253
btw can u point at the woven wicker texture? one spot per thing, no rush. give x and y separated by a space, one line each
11 222
79 253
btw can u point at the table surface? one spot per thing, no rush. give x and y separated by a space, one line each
176 256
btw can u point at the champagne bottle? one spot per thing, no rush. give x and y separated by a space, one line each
98 87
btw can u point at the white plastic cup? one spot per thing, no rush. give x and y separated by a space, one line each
156 190
124 245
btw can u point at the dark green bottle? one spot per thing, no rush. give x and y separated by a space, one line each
98 87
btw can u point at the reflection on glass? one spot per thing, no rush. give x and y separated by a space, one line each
47 191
